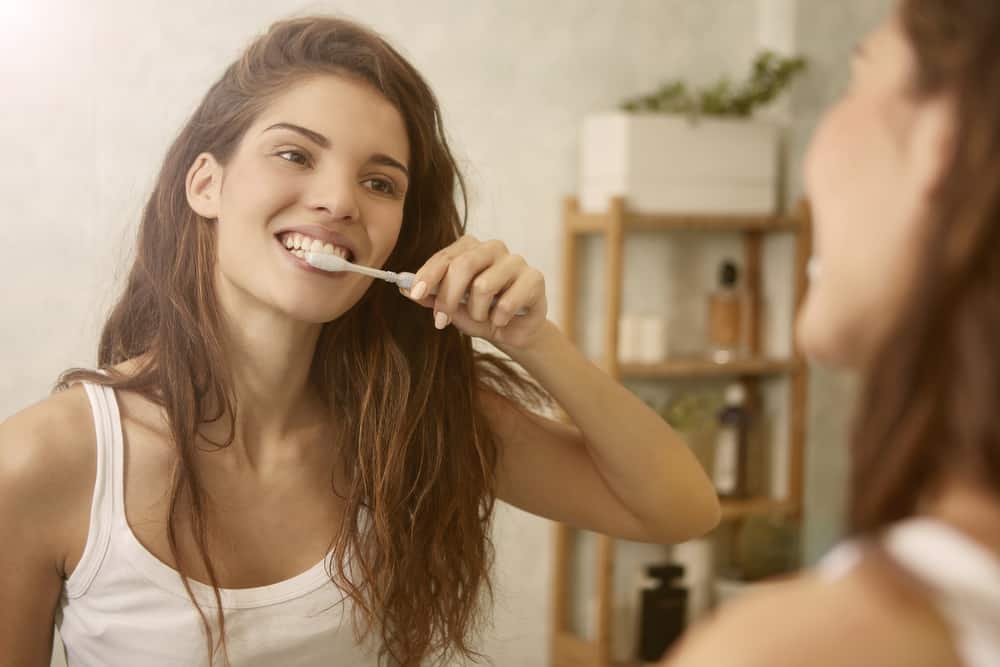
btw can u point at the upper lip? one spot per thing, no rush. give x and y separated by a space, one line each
322 234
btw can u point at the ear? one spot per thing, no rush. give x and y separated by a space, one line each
203 186
932 141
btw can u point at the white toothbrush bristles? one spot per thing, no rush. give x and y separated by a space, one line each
327 262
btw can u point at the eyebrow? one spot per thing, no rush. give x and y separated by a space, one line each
320 140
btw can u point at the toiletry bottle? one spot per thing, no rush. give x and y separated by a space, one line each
726 316
663 610
729 470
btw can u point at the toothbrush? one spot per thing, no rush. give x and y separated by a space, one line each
404 279
335 263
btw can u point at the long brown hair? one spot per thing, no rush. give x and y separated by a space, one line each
413 552
932 398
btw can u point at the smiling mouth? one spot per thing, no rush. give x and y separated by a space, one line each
299 244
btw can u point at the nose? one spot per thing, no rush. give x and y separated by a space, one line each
335 198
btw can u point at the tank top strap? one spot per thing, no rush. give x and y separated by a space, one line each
840 560
107 505
964 578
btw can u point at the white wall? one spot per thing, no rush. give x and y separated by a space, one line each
93 94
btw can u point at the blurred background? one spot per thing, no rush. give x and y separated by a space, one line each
94 92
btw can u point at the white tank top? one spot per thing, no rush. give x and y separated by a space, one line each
123 607
963 579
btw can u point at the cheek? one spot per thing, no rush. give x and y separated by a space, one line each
851 161
383 230
256 187
833 182
837 208
252 199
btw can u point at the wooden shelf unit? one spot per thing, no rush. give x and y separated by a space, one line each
567 649
695 368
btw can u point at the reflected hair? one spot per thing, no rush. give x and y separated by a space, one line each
413 552
932 396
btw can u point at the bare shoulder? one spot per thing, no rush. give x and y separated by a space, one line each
49 439
872 616
48 466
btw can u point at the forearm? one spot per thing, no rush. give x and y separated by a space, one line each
641 459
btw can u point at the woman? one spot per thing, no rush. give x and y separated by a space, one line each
904 177
273 441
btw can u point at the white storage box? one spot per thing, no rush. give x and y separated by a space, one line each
665 163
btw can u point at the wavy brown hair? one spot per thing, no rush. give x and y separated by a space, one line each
413 553
932 396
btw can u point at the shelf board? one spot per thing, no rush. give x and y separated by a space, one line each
596 223
738 509
696 367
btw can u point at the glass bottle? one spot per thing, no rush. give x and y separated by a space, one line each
727 311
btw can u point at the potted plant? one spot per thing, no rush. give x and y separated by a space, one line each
680 150
766 546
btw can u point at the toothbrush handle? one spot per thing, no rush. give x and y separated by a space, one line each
405 281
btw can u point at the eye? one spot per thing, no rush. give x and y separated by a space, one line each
382 186
298 157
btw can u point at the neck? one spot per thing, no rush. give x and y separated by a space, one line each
269 356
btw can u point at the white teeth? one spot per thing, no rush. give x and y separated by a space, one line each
299 245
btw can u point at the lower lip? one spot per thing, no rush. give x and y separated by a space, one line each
306 266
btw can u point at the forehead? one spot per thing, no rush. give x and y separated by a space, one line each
346 110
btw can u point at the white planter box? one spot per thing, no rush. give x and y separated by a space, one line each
665 163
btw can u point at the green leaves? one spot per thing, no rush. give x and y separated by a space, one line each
769 75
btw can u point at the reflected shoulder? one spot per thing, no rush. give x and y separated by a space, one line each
867 617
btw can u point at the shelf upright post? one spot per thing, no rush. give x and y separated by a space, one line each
800 377
752 243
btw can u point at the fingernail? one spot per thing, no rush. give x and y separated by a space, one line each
419 291
441 320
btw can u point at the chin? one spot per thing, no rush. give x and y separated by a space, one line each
825 341
314 313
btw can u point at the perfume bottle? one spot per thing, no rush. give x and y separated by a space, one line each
727 311
663 611
729 471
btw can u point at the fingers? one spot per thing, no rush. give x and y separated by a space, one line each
462 270
430 275
526 293
492 282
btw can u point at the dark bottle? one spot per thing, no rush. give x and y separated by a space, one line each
663 611
729 472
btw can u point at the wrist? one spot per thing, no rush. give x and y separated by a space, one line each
548 338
